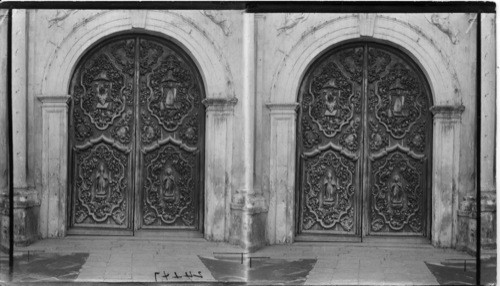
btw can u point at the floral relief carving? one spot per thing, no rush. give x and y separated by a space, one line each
352 62
101 185
377 63
382 100
396 194
102 100
417 137
399 106
171 100
123 54
142 94
328 191
169 186
332 99
378 139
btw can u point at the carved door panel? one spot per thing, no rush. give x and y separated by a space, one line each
331 144
399 125
102 134
364 136
171 139
137 138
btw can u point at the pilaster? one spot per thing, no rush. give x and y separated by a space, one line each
280 217
218 166
4 154
25 199
487 132
52 222
445 167
249 205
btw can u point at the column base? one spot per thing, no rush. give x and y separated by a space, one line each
488 220
26 214
248 216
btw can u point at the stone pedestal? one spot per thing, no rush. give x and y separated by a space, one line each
488 220
487 132
445 167
467 222
281 217
218 165
53 205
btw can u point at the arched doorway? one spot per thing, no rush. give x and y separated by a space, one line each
364 146
137 139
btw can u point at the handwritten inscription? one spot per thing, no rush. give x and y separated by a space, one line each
176 275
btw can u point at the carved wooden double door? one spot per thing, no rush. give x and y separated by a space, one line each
137 137
364 134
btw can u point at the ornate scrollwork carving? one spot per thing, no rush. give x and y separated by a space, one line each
417 137
101 185
378 139
168 186
400 104
138 87
149 53
328 191
103 99
123 54
332 105
310 136
350 137
334 94
377 62
171 101
352 62
189 130
396 193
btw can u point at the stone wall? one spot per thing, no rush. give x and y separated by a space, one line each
252 67
57 39
444 47
4 219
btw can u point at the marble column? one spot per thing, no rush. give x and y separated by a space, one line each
281 217
19 97
487 131
25 199
4 162
53 207
445 166
248 205
218 167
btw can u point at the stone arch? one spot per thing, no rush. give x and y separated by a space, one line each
445 89
183 31
217 78
440 75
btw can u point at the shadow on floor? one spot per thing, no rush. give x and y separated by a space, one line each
282 271
46 267
454 272
489 271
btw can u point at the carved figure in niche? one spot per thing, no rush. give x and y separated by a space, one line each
330 195
102 85
101 182
396 192
331 92
169 185
169 91
397 93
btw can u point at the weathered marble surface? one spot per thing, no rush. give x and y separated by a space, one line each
250 148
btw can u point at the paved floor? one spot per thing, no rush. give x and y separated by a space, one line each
367 264
147 260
